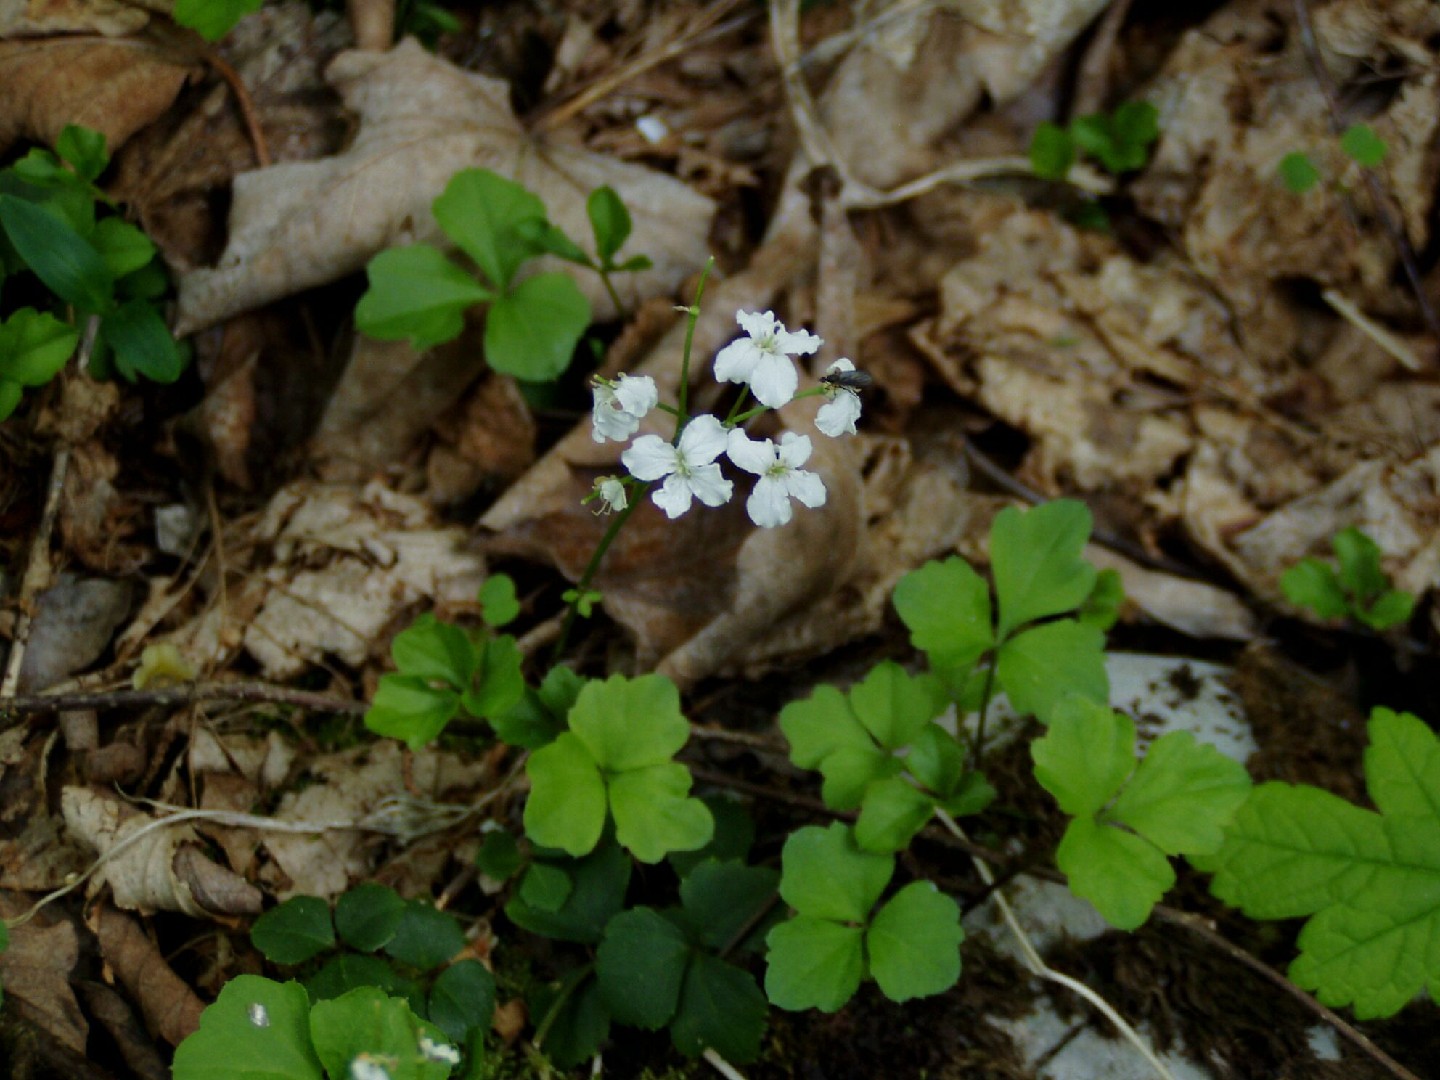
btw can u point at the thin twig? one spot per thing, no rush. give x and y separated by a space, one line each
1388 342
1311 45
170 696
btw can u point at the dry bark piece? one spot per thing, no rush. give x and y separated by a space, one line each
171 1008
297 225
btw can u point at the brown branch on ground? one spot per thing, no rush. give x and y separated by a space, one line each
172 696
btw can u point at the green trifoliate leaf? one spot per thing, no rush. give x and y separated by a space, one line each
34 346
826 876
600 880
1102 607
122 246
480 210
1360 573
540 714
256 1030
545 887
383 1029
294 931
349 971
142 343
641 965
723 898
531 332
1136 124
946 606
972 795
820 725
720 1008
84 149
825 733
850 771
410 709
894 705
629 723
1038 668
914 943
813 964
1052 151
368 915
548 239
426 937
502 680
462 1000
609 221
936 760
1036 559
734 833
435 651
579 1023
566 808
416 293
892 813
59 256
1085 755
1122 874
213 19
498 602
1182 796
1312 584
1298 172
654 814
1363 146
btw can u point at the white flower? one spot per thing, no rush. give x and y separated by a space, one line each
610 490
620 406
762 358
430 1050
781 478
838 415
688 469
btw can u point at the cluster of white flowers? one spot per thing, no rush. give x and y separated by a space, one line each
689 468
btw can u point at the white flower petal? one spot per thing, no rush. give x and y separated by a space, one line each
794 449
702 441
674 496
710 485
752 455
838 417
736 361
805 486
798 342
649 458
759 324
768 505
774 380
840 365
612 493
637 394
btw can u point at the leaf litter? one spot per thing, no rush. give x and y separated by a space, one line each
1235 377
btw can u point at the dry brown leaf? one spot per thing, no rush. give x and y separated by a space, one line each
114 86
297 225
39 18
113 1013
35 971
171 1008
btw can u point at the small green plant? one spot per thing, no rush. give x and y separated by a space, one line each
532 325
213 19
92 265
1120 141
1359 142
1356 588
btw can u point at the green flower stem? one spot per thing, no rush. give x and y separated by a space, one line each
620 312
682 415
977 748
740 420
583 585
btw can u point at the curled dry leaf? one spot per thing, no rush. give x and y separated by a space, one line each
297 225
171 1008
148 874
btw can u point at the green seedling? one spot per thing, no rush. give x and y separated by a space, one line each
1120 141
1359 142
1355 588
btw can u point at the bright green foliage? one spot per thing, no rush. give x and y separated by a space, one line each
1298 172
294 931
1120 141
1363 146
818 958
213 19
1036 560
95 266
368 915
617 756
1357 587
255 1030
425 937
532 326
1102 607
443 672
1369 881
498 602
1128 819
365 1024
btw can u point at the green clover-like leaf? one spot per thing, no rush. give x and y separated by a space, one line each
641 966
368 915
892 813
410 709
1312 584
1183 795
894 705
1085 755
294 931
1040 667
34 346
654 814
1122 874
480 210
566 808
720 1008
946 606
1036 558
1298 172
825 875
813 964
597 893
462 1000
417 293
1052 151
531 331
369 1022
913 943
436 651
257 1029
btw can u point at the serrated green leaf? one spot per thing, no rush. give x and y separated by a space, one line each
545 887
1122 874
721 899
600 880
257 1029
213 19
720 1008
894 705
1402 764
480 210
531 332
142 343
84 149
1182 795
410 709
813 964
640 966
368 915
892 813
654 814
426 936
59 256
821 724
294 931
609 221
1359 557
122 246
1037 563
416 293
498 603
1085 755
1040 667
435 651
462 1000
913 943
1363 146
946 606
630 723
1052 151
566 807
366 1021
1298 172
34 347
1312 584
346 972
824 874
